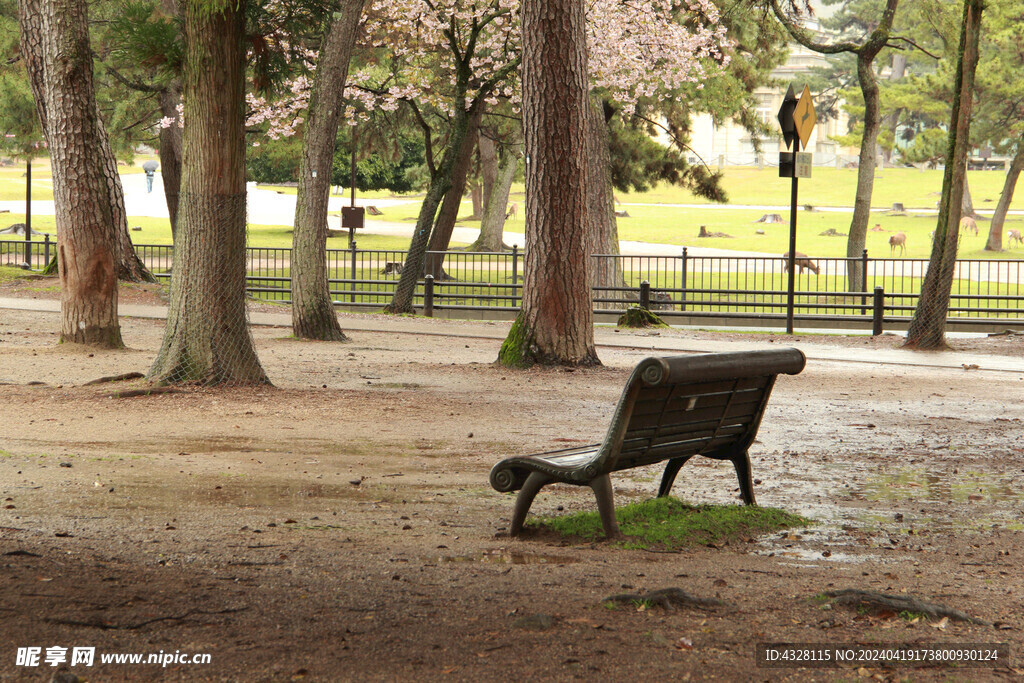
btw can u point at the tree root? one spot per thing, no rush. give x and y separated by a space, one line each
853 597
115 378
636 317
130 393
667 599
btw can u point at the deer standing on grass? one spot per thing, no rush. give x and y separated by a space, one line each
898 240
801 261
968 224
513 210
1014 236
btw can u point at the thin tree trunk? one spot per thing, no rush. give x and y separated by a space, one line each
865 172
928 328
605 269
85 254
556 323
207 338
492 227
892 122
170 156
967 203
441 236
995 230
313 314
170 139
488 170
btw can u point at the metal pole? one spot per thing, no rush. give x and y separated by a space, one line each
682 303
878 312
28 214
352 192
428 296
864 278
791 293
645 295
352 297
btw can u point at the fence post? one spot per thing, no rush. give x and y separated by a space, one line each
46 250
864 278
878 311
645 295
682 296
515 263
352 272
428 296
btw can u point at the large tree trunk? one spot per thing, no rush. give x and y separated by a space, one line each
492 226
865 173
556 323
605 269
313 314
207 338
85 240
928 327
129 266
995 230
441 236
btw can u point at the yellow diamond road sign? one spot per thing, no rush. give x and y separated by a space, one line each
804 116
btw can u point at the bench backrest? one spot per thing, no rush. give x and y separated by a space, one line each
692 405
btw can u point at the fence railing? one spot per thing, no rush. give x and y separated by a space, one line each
740 288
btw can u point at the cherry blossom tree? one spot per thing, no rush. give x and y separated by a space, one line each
447 60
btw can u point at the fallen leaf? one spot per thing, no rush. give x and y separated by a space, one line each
941 624
684 643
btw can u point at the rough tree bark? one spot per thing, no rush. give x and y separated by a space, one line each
129 267
995 230
555 325
313 314
488 156
928 328
441 235
601 221
866 53
86 256
207 337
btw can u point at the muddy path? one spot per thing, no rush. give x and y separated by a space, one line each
340 526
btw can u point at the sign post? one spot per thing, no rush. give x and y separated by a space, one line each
797 119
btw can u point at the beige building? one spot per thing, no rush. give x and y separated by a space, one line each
730 144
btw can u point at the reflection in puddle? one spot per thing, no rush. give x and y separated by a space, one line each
507 557
964 487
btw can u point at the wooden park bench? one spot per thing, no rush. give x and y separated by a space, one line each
672 408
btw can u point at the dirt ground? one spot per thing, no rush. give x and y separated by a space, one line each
340 525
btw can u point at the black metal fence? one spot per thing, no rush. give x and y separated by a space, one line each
736 288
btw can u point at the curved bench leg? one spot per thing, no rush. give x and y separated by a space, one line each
669 478
602 487
534 483
741 462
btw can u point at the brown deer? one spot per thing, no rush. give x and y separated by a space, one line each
898 240
513 211
1014 236
801 261
968 224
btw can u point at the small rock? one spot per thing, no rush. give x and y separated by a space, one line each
65 464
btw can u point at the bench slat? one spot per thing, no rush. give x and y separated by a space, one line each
695 416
